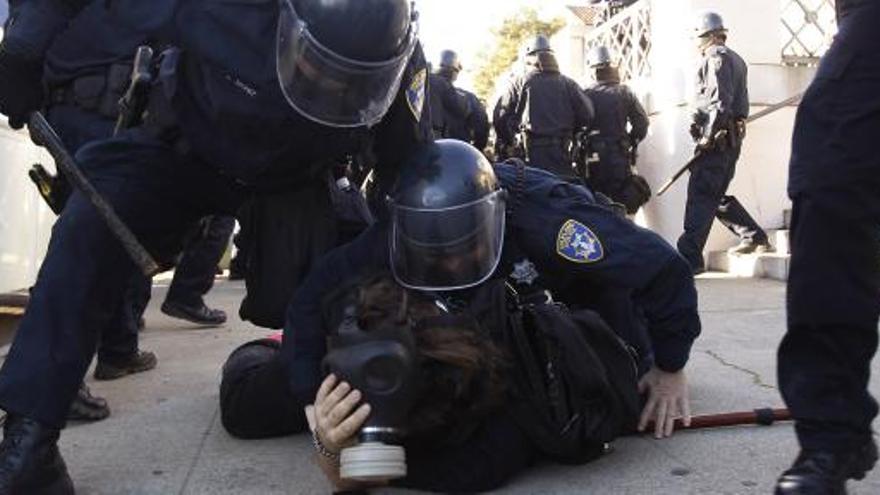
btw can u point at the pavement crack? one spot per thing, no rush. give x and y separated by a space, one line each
756 377
198 454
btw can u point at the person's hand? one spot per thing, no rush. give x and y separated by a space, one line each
21 87
696 131
337 414
667 400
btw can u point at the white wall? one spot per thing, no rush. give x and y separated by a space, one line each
25 220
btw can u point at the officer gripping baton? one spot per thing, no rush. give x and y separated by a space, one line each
43 134
763 113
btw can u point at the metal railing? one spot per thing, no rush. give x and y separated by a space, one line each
807 28
628 35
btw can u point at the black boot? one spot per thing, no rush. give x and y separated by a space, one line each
30 462
202 314
87 407
825 472
111 369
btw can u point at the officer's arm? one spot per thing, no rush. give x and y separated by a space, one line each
506 118
454 102
719 79
304 343
34 24
583 107
593 242
638 118
479 124
407 123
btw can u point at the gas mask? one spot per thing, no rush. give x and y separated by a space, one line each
382 363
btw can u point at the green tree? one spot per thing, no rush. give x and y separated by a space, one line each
509 38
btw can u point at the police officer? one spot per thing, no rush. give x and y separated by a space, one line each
834 184
458 227
473 126
621 123
718 128
547 107
259 95
449 108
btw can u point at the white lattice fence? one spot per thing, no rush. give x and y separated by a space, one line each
628 36
807 29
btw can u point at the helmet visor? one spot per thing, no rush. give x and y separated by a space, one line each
331 89
449 248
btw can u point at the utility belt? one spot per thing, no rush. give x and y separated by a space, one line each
95 92
535 140
601 144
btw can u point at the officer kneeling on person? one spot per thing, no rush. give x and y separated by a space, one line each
457 228
260 96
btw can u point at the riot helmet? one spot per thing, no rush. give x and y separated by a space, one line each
708 23
449 60
340 63
537 45
599 56
447 218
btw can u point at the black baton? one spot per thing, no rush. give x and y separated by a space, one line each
43 134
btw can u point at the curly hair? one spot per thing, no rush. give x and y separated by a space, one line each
463 373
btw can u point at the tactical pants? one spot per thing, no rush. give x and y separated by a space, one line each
706 200
76 128
195 271
834 281
159 195
551 157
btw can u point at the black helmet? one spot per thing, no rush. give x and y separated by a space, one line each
447 217
599 56
340 63
449 60
707 23
540 44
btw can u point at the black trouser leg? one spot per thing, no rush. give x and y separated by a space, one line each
734 216
710 176
552 158
255 398
195 272
121 341
833 308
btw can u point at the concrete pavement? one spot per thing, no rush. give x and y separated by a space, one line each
165 437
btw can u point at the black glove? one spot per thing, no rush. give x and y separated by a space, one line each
696 131
21 87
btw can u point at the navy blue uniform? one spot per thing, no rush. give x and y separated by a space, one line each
548 108
474 128
833 286
449 108
558 231
219 129
622 124
722 100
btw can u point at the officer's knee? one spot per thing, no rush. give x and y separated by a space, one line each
236 411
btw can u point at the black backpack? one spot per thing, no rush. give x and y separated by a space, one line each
575 382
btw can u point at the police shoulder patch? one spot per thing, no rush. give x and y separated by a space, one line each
415 93
576 242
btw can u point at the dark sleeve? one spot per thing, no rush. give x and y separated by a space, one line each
455 103
611 250
36 23
638 118
479 123
584 112
507 119
720 92
304 343
407 123
495 453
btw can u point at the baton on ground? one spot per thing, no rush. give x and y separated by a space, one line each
764 417
43 134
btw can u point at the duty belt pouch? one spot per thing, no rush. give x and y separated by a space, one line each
286 233
88 91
